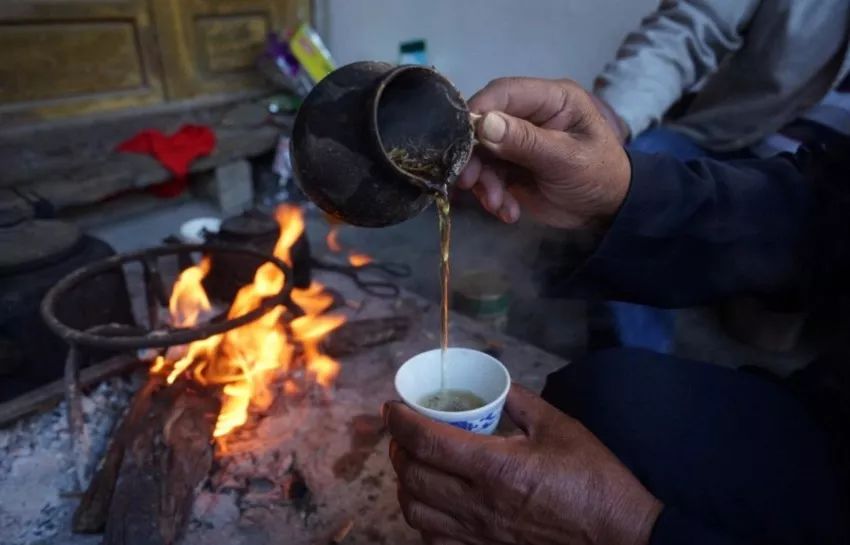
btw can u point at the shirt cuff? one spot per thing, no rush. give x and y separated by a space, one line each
622 102
624 243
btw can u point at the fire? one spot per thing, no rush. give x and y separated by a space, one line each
358 260
332 240
253 362
355 259
188 298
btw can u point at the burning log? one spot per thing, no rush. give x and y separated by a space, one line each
93 511
169 455
144 488
356 336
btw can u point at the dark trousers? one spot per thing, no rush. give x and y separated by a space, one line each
734 457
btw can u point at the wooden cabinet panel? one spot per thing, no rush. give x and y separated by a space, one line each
68 60
230 43
75 56
72 57
210 46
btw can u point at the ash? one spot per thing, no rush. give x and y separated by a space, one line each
303 470
37 470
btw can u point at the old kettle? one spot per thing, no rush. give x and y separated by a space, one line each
373 143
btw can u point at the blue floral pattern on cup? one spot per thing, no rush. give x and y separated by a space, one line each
485 424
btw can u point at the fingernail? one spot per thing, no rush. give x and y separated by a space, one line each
505 214
493 128
478 191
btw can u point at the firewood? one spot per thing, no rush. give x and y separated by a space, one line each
168 456
93 510
50 394
358 335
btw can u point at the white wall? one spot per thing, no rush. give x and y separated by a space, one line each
474 41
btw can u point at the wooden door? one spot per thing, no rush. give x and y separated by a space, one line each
68 57
211 46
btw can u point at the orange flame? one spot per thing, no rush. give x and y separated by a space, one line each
355 259
332 240
358 260
248 362
188 298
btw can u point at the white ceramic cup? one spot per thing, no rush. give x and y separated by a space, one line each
193 231
466 369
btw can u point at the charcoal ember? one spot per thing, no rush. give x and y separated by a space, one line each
296 492
228 483
261 492
260 485
295 487
261 480
242 465
237 471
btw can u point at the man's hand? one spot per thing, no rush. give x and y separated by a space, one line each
545 149
553 484
613 118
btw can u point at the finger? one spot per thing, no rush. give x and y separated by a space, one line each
529 201
436 444
527 410
483 179
480 194
493 188
547 103
510 211
428 520
429 485
522 143
469 175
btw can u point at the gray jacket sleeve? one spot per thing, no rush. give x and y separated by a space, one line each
674 49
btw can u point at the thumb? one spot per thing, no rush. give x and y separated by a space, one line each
520 142
526 409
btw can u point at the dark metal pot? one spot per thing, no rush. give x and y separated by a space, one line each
259 231
373 143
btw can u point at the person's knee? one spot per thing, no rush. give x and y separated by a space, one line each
599 362
666 141
570 383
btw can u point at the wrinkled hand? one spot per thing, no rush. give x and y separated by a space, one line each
617 124
545 148
553 484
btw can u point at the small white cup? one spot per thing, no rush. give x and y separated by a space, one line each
194 231
466 369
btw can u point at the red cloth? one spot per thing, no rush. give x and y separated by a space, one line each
175 152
